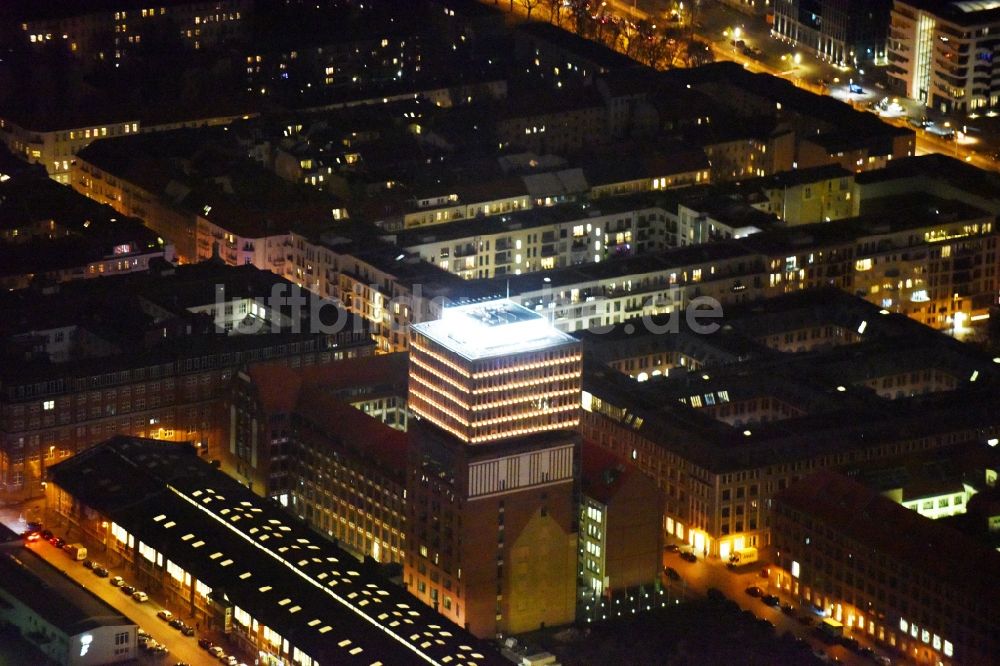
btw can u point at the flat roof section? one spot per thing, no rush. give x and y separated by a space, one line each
265 560
50 594
493 328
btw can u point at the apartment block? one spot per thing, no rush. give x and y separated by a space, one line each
70 379
50 233
885 572
844 32
721 440
621 537
940 53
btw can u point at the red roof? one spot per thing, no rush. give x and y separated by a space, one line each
358 371
355 429
602 472
308 391
277 386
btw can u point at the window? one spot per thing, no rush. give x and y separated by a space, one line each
49 405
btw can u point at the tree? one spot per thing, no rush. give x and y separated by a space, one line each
580 15
529 6
555 11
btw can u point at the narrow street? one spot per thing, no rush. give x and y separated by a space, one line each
704 574
721 27
182 649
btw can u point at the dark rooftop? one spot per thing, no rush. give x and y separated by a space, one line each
269 563
587 49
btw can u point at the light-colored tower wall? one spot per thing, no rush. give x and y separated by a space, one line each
493 372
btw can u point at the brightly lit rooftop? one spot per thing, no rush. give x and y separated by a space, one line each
492 328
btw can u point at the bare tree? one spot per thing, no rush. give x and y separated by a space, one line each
579 13
529 6
555 10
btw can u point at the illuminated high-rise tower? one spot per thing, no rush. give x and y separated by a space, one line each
495 370
494 471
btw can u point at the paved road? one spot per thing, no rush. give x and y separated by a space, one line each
715 23
182 648
703 574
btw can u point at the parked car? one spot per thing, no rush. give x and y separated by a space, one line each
850 643
771 600
187 630
672 548
58 542
46 534
205 644
672 573
176 623
230 660
165 615
788 609
689 556
127 589
101 572
216 651
117 581
140 596
89 564
141 633
755 591
160 650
